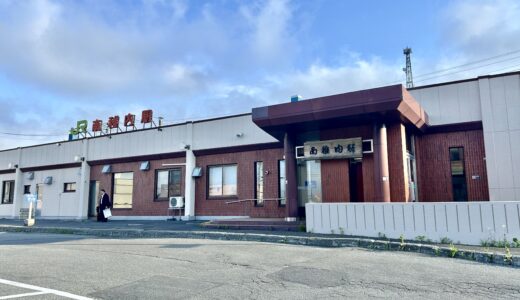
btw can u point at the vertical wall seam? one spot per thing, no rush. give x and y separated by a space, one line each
457 215
481 222
413 216
355 217
365 217
374 214
393 216
446 217
435 217
469 219
424 217
493 214
507 223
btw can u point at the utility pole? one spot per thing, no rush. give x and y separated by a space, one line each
408 69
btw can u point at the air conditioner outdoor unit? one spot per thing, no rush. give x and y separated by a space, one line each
176 202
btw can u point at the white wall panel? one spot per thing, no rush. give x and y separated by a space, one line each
450 103
56 203
223 133
467 223
7 157
501 124
51 154
144 142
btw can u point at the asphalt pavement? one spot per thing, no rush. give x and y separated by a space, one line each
99 268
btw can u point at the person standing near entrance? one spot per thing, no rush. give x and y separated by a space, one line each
104 203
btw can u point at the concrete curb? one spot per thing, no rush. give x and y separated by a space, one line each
433 250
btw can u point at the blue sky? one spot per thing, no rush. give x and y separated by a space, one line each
62 61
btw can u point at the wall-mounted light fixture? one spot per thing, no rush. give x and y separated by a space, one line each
240 134
12 166
78 158
144 166
106 169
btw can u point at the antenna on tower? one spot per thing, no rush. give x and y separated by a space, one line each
408 69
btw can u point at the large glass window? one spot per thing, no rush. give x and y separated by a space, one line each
123 187
458 176
222 180
281 182
309 182
8 192
259 183
168 184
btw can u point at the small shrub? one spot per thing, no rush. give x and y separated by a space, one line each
453 250
503 244
382 235
446 240
342 231
437 251
516 243
508 257
401 241
420 238
302 228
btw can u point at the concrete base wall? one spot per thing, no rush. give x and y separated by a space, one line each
467 223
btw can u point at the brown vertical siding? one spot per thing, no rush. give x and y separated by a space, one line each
246 177
368 178
397 163
365 132
433 165
335 180
143 203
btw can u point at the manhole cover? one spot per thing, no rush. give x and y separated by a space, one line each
313 277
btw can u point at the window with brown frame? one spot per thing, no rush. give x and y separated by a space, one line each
259 183
7 192
281 182
222 181
168 183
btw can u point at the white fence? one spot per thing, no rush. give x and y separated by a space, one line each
466 223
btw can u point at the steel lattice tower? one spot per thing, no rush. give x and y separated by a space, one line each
408 69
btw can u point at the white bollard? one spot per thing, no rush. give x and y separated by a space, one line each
30 220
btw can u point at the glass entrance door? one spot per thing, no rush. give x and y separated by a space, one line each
92 196
39 200
412 184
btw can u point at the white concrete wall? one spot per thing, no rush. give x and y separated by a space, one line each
451 103
137 143
51 154
223 133
56 203
466 223
8 157
5 209
500 100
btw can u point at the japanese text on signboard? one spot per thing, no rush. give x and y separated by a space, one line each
344 148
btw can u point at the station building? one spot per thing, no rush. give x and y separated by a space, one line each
453 141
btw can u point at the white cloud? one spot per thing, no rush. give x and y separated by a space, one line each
483 27
270 23
320 80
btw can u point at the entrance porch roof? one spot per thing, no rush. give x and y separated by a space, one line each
389 103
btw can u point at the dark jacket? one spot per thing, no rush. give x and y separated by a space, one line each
105 202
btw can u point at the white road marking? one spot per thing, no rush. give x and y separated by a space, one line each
23 295
41 289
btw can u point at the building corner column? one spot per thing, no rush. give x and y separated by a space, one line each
189 181
18 186
84 183
291 188
189 186
382 177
